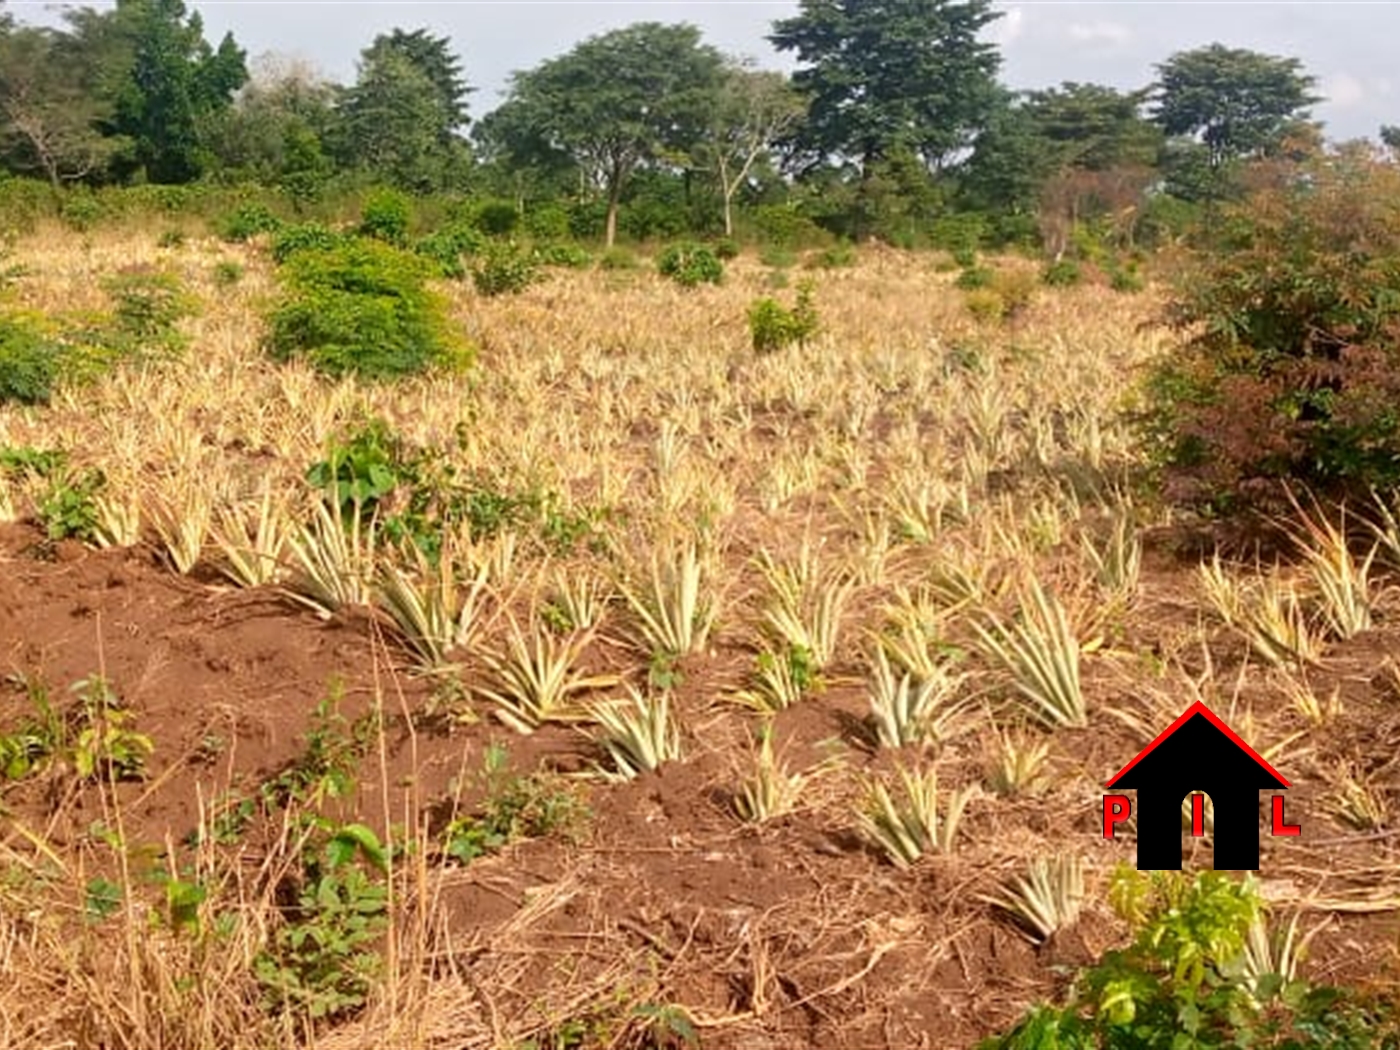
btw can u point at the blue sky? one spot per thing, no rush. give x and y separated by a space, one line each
1349 47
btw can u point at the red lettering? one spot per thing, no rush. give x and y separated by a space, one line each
1116 809
1280 828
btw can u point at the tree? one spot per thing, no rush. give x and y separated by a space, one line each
885 77
48 112
1390 138
168 86
402 117
638 96
1234 103
1094 127
754 109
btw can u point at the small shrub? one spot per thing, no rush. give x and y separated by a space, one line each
363 308
774 327
449 247
67 508
30 362
778 257
1064 273
227 273
505 269
148 306
565 254
173 238
248 221
974 277
386 216
618 258
691 265
548 222
985 304
837 257
726 248
497 218
964 258
81 211
308 236
1126 279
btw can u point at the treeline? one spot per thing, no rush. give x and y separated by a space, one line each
895 125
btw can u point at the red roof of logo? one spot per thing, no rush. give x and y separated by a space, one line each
1210 716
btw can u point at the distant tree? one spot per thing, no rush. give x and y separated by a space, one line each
1234 103
1390 138
754 109
638 96
885 77
1095 127
173 88
403 116
48 112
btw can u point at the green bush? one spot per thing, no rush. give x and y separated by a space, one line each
1291 369
497 218
548 222
1184 983
386 216
504 269
691 265
1125 278
247 221
618 258
227 273
726 248
363 307
837 257
148 306
307 236
974 277
449 246
30 362
563 253
1063 273
778 257
783 226
774 327
81 211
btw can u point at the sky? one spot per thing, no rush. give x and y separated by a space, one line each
1349 47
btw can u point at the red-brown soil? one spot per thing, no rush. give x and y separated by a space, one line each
790 936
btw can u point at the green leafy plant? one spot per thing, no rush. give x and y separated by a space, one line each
774 327
147 307
67 508
320 962
385 216
248 221
448 247
515 806
305 237
104 742
1062 273
363 308
227 273
504 269
31 362
691 265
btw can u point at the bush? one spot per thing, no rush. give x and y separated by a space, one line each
974 277
618 258
305 237
691 265
548 222
774 327
247 221
30 362
777 257
447 248
81 211
569 256
999 295
1125 278
148 306
227 273
505 269
1063 273
783 226
1184 981
497 218
386 216
837 257
363 307
1291 372
726 248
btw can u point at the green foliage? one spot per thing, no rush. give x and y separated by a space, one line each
618 258
516 806
364 308
227 273
784 226
386 216
248 221
30 362
497 218
1063 273
148 306
974 277
105 743
81 211
691 265
997 295
37 738
1291 370
773 326
321 962
305 237
67 507
1125 277
332 747
505 269
548 223
837 257
1183 984
726 248
449 246
564 254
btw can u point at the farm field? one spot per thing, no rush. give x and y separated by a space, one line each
273 781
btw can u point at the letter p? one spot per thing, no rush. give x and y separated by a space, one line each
1116 809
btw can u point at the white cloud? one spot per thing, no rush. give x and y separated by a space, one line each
1111 33
1343 89
1008 27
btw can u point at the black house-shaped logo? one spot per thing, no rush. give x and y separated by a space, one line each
1199 752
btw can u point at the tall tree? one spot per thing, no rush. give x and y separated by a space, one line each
48 110
173 88
1094 127
1234 103
754 109
403 115
637 96
886 77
